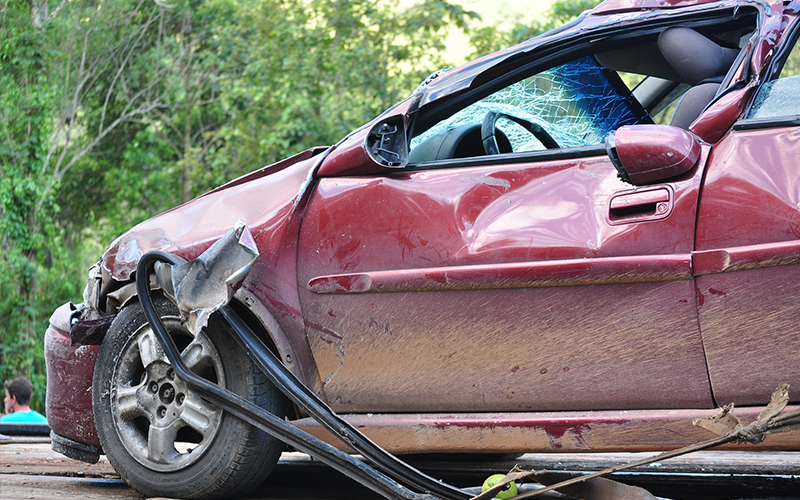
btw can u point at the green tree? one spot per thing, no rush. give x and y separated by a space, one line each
305 73
32 273
166 98
72 74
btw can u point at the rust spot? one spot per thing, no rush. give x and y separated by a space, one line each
514 370
566 368
331 313
543 371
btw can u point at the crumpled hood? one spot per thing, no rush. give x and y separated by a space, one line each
262 199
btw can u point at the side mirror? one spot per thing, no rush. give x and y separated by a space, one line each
644 154
375 150
386 142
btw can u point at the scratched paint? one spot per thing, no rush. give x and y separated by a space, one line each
481 341
518 432
748 227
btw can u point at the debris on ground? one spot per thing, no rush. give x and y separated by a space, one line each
724 424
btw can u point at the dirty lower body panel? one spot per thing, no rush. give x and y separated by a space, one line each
599 431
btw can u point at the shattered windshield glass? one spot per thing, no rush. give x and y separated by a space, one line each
777 98
577 103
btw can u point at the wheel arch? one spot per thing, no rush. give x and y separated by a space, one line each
297 358
295 355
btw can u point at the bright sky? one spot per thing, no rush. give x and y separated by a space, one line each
504 13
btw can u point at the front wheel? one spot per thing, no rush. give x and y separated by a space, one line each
160 435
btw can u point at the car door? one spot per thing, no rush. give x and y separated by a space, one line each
748 242
530 280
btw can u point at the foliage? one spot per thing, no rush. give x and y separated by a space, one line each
33 275
303 73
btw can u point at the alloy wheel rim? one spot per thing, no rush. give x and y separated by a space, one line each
162 423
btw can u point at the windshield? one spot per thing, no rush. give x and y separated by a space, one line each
577 103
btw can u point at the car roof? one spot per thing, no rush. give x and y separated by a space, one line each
628 5
607 13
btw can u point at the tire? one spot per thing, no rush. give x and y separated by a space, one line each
159 435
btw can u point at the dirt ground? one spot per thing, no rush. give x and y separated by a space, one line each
30 470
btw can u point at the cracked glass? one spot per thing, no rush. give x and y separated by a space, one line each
781 97
577 104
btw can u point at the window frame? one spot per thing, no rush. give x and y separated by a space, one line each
527 64
789 42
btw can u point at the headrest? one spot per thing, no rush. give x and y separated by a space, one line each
693 56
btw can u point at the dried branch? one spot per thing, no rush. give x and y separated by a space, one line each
724 424
81 80
122 66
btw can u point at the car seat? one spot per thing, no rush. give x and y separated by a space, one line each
700 62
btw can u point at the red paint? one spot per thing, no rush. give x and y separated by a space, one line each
748 246
350 156
514 303
606 431
719 117
654 153
501 243
557 430
68 403
523 275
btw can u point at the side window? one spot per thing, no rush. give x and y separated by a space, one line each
572 105
780 97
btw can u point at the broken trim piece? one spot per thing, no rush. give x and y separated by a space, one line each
538 432
785 253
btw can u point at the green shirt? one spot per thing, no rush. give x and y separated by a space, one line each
28 417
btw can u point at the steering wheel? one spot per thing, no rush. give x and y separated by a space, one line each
488 131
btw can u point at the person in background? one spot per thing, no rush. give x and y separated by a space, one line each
17 402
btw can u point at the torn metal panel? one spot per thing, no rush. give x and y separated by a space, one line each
200 287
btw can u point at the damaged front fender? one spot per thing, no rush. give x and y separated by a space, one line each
204 285
264 200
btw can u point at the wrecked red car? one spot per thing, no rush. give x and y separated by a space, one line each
580 243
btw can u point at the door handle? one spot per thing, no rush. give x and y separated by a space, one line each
637 206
